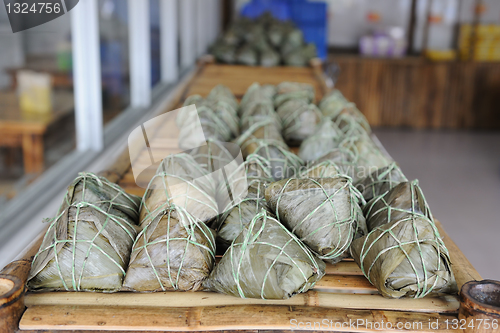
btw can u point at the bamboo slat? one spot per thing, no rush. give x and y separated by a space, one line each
246 317
314 298
344 268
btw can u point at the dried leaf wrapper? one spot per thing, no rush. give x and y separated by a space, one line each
265 261
323 212
87 245
173 252
403 254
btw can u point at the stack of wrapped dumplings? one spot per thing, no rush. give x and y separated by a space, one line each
275 218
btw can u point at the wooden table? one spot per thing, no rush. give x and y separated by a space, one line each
60 78
26 130
343 294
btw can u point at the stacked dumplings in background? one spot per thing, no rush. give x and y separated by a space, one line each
275 218
265 41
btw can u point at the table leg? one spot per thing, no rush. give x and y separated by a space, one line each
10 156
33 153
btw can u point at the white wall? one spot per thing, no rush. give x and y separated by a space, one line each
491 14
347 19
441 35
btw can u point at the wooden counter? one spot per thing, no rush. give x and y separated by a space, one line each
418 93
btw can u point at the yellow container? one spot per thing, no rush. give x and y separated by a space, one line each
486 44
35 92
441 55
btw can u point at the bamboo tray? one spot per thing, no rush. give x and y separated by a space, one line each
342 297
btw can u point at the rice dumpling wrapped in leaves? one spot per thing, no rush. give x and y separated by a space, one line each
326 137
212 155
231 36
380 181
173 252
259 43
222 93
247 55
232 221
351 113
300 56
332 104
268 91
265 129
269 57
293 40
253 32
248 180
335 104
258 173
254 173
266 19
293 90
264 41
256 94
250 96
224 53
325 169
262 113
221 103
403 254
331 169
337 160
217 120
323 212
350 127
278 31
87 245
299 120
265 261
182 181
284 163
366 155
188 121
227 115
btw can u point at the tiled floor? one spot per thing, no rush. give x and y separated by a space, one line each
459 173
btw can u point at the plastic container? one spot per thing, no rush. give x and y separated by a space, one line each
279 8
35 92
317 35
308 12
